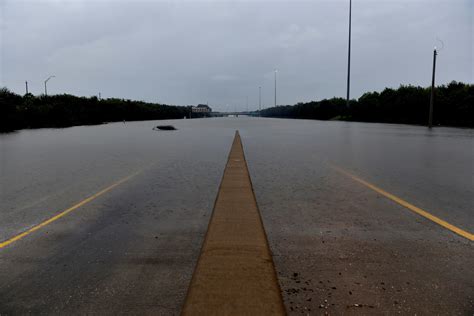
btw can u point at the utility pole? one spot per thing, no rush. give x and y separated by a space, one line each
259 99
276 87
349 56
45 82
26 84
430 118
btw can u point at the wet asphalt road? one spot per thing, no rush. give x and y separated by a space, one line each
338 246
341 248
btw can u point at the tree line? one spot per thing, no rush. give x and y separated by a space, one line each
453 106
29 111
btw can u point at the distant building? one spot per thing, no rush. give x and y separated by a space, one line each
201 108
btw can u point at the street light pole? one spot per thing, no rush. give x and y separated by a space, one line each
276 87
45 87
430 117
349 56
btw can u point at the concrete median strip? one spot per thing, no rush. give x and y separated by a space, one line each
235 274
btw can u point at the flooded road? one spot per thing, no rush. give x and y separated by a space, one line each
134 248
431 168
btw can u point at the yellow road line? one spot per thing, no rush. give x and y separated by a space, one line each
409 206
65 212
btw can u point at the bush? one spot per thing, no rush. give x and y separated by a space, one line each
453 106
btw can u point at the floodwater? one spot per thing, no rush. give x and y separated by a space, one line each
52 168
134 248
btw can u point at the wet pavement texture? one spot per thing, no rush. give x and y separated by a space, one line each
341 248
338 247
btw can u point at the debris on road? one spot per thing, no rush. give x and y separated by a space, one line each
165 128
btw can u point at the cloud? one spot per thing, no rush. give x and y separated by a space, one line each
189 52
224 78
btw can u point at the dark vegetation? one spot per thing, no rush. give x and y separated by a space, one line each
453 106
29 111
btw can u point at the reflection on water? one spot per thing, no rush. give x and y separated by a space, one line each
434 167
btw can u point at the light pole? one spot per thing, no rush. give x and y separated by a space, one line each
45 82
276 87
349 55
430 117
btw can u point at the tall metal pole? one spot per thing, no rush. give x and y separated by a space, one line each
349 56
430 118
276 87
45 82
26 84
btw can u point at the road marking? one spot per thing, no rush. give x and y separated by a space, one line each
65 212
235 274
409 206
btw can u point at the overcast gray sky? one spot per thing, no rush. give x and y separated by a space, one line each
189 52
